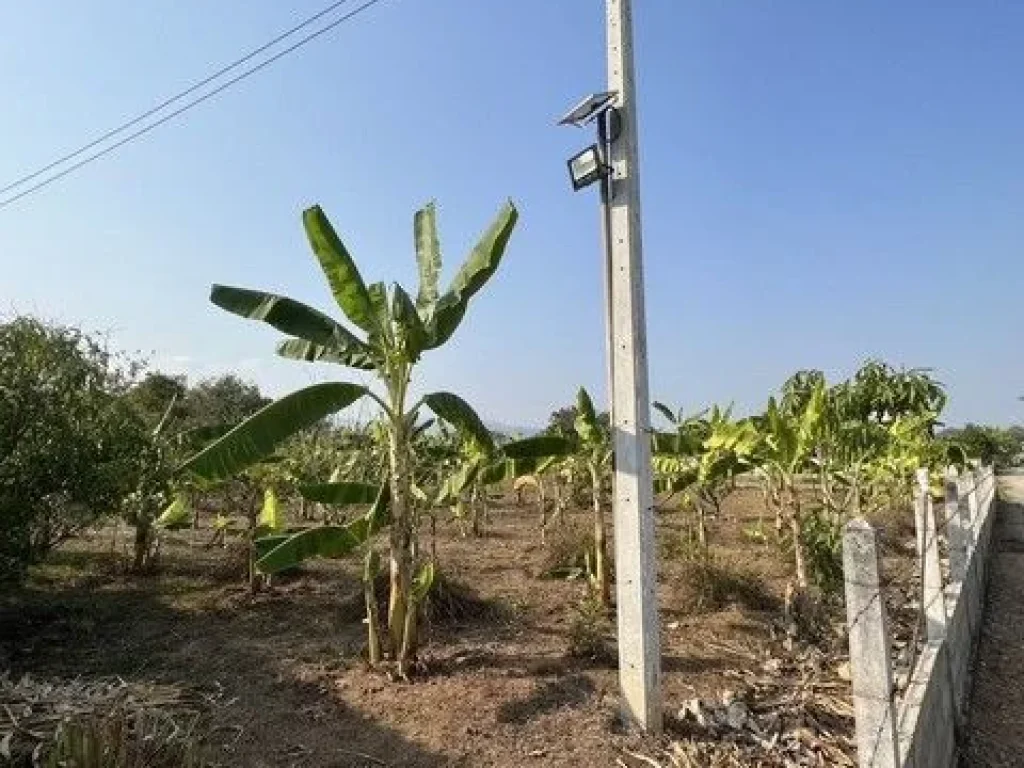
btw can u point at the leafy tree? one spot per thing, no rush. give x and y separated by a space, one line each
222 400
71 445
562 422
396 331
159 396
999 446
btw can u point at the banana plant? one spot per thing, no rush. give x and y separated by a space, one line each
464 490
389 332
789 441
547 469
480 467
589 444
163 496
702 458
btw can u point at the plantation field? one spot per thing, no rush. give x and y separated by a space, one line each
516 670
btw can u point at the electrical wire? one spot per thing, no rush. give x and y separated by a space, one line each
184 108
175 98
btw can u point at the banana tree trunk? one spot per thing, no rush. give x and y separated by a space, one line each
542 503
399 603
600 547
372 619
143 541
796 531
476 512
250 538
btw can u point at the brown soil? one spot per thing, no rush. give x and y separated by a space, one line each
499 687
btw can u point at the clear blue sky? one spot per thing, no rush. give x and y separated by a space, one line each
822 182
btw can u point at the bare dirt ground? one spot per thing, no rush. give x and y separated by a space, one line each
522 678
996 714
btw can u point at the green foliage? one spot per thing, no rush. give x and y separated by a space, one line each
270 518
178 513
256 438
397 331
861 441
562 422
707 584
588 630
340 493
71 445
701 460
822 539
998 446
457 412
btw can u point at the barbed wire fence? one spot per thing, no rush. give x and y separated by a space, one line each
902 596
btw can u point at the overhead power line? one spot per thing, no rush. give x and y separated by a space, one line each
175 98
246 73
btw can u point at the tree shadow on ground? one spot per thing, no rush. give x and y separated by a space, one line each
573 691
262 714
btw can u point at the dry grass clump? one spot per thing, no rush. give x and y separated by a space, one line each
99 724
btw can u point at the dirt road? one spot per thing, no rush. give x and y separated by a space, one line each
996 716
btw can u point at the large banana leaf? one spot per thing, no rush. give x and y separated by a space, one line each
665 411
810 422
379 514
586 424
346 283
668 443
322 541
460 414
408 323
292 317
537 447
256 437
177 515
199 436
378 293
300 349
423 582
268 543
673 483
475 272
512 468
428 259
340 493
466 476
270 516
497 472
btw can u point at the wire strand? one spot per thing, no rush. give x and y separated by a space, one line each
175 98
177 112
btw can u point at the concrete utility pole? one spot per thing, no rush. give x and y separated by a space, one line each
635 571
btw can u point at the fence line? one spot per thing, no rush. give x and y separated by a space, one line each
920 728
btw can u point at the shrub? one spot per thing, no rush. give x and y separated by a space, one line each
822 538
707 585
589 628
71 447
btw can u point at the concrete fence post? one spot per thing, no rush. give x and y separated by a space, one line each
933 599
957 528
874 706
972 513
